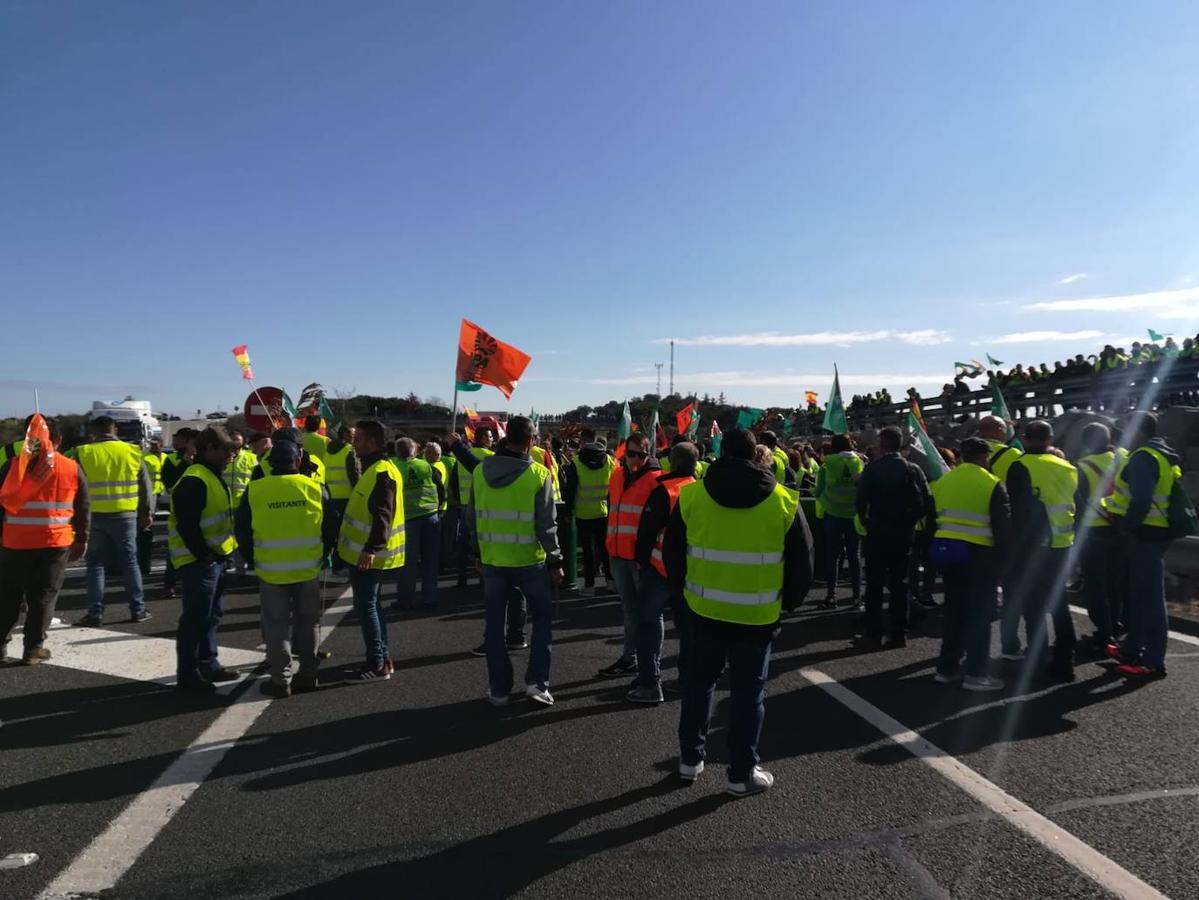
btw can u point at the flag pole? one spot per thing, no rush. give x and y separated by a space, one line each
37 404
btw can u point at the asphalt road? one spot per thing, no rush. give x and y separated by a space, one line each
418 788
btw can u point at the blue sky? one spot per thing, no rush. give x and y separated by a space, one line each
778 185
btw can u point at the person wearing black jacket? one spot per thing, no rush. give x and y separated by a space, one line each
683 459
735 483
892 497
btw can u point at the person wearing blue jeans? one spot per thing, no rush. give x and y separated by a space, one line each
652 596
1139 508
499 584
1148 618
423 551
512 516
114 537
196 642
627 575
367 588
840 541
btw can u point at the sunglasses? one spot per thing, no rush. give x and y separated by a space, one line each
639 454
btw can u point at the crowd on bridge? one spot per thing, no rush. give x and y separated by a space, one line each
726 538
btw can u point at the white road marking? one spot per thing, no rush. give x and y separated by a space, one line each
102 863
1105 872
123 654
1173 635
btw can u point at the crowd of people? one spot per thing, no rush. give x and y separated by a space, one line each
726 541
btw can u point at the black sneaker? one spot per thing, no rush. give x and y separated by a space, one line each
896 641
867 642
518 644
303 686
619 669
828 603
480 650
279 690
196 686
367 675
141 616
90 621
220 676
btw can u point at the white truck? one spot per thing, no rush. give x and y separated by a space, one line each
134 420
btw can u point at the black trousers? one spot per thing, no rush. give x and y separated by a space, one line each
32 578
592 535
887 567
145 543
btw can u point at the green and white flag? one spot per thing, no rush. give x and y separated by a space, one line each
748 418
934 466
999 408
834 412
625 428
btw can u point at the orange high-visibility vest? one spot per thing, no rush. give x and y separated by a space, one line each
673 486
625 506
43 519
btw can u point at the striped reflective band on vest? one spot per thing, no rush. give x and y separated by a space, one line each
496 537
110 489
355 546
289 544
49 506
593 491
736 557
507 515
950 520
730 597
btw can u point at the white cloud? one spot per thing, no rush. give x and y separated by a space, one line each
718 380
1037 337
1077 276
925 337
1165 303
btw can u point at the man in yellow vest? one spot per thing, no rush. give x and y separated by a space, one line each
43 530
513 517
737 546
152 459
423 496
994 431
971 533
200 541
1042 487
285 530
836 493
314 443
237 477
453 543
371 540
1101 554
342 471
585 494
1139 506
174 464
120 493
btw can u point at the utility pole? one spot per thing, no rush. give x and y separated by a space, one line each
658 366
672 367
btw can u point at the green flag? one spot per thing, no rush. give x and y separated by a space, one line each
748 418
993 361
999 408
625 428
467 386
834 410
534 417
332 422
788 424
1156 335
934 466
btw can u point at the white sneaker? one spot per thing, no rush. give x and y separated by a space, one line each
539 695
1012 657
690 773
982 683
946 679
759 782
496 701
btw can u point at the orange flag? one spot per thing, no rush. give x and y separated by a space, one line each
483 359
30 468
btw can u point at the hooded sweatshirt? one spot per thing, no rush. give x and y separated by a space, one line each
503 469
592 456
739 484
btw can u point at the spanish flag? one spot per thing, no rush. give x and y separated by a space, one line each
243 359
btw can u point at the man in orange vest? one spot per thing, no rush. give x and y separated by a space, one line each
42 532
684 457
629 487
